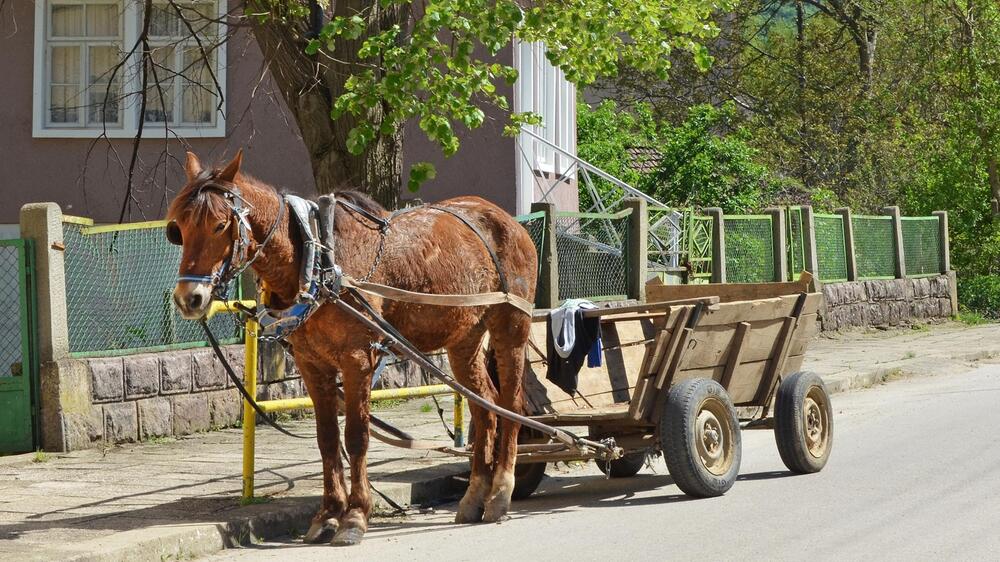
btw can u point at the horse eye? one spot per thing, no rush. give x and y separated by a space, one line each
174 234
220 228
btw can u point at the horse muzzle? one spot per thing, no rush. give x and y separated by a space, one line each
192 299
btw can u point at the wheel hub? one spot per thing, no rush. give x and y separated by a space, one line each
814 421
712 443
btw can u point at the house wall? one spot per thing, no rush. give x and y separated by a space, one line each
85 177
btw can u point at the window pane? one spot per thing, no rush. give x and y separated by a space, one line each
62 104
199 88
67 20
65 65
163 22
160 100
103 99
102 20
201 17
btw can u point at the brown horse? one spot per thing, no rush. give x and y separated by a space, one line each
425 250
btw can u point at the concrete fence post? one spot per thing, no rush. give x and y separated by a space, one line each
718 244
637 266
852 261
42 223
779 242
945 258
810 255
547 289
897 240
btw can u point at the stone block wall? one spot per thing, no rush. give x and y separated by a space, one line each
889 302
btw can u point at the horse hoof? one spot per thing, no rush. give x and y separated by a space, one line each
320 531
468 515
348 536
495 514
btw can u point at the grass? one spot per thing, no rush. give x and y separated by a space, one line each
971 318
41 456
161 440
909 355
426 408
387 404
921 327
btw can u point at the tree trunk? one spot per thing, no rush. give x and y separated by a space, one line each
310 85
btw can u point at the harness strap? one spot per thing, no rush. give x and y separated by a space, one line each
477 299
493 255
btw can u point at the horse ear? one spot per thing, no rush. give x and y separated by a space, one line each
192 167
229 173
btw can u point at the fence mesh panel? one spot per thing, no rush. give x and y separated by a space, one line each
10 313
921 246
796 244
874 248
749 249
535 225
592 255
831 251
118 292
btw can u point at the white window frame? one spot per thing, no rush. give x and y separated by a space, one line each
129 112
543 89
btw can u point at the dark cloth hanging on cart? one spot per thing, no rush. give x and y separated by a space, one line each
564 372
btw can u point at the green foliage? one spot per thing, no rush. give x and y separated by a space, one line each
971 318
440 67
980 294
706 162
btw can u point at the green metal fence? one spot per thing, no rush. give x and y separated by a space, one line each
831 250
922 246
119 281
749 248
796 243
592 250
874 247
19 383
534 223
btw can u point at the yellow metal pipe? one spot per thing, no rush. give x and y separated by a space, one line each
249 416
459 418
412 392
218 307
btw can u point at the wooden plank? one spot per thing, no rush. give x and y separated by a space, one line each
777 361
647 395
735 352
711 345
728 292
539 315
755 311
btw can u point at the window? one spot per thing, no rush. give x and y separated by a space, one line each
543 89
82 90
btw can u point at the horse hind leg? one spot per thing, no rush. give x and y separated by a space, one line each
468 364
508 338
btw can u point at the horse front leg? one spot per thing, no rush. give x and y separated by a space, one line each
357 390
322 385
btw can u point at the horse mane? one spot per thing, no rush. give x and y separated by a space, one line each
202 198
361 200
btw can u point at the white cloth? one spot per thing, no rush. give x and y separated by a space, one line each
564 324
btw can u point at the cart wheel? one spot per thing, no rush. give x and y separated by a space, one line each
700 437
527 477
803 423
627 466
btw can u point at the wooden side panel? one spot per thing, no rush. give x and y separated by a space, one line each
755 311
727 292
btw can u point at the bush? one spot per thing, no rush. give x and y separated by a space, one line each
980 294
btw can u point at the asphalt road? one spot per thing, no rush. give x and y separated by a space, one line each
914 474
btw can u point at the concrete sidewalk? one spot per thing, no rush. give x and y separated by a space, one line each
180 498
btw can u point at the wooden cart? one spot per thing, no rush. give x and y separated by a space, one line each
682 374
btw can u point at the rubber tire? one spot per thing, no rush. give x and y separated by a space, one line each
678 437
527 477
789 429
625 467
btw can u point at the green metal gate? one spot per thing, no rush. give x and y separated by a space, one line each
18 354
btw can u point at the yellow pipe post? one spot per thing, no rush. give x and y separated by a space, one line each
249 416
459 421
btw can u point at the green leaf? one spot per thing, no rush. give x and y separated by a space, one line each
420 173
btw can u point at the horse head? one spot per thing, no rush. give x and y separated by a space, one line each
208 220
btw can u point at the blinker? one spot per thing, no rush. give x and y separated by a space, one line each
173 233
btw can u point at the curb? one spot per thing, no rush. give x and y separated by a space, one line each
252 524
